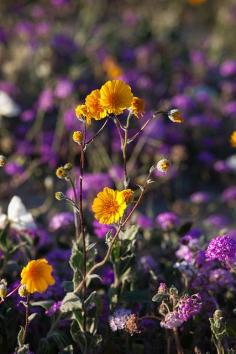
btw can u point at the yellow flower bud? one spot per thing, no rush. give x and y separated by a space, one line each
175 116
61 172
68 166
3 290
3 160
77 137
59 196
22 291
163 165
127 195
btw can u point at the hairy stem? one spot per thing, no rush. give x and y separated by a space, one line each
26 318
177 342
109 250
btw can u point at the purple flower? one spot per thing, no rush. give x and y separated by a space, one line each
53 309
189 306
148 263
144 221
228 68
172 320
101 230
167 220
46 100
229 194
107 275
218 221
222 277
13 168
199 197
61 220
64 88
118 319
222 248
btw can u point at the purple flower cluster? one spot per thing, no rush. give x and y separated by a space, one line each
222 248
118 319
167 220
189 306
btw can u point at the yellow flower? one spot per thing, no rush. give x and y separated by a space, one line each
82 112
111 67
116 96
233 139
94 106
36 276
137 106
61 172
109 206
127 194
163 165
77 137
175 116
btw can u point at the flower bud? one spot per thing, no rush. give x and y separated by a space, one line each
3 160
77 137
61 172
59 196
175 116
163 165
68 166
127 195
3 289
22 291
162 289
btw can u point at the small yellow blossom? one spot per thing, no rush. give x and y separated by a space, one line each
82 112
175 116
109 206
3 160
61 172
37 276
115 96
22 291
3 289
138 107
77 137
127 194
163 165
59 196
94 107
233 139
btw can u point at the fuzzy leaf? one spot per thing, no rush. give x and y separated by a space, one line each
70 303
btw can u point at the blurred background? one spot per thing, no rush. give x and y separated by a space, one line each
173 54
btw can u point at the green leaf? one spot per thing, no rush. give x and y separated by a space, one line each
20 337
71 302
44 304
91 298
32 316
4 238
159 297
185 228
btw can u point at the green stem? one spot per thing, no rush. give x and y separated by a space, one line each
26 318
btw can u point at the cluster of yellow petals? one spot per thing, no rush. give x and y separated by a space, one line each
138 107
109 205
114 97
37 276
233 139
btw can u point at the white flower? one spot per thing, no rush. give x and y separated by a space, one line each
17 215
8 107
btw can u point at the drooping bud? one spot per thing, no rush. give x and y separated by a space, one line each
3 160
59 196
175 116
163 165
77 137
